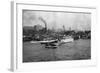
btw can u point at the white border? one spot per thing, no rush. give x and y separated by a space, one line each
17 64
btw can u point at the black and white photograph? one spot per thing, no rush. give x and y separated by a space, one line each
55 35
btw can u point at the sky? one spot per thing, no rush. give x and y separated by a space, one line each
56 20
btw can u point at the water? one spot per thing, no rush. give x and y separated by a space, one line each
77 50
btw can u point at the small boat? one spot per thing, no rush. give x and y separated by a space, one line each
48 43
44 42
67 39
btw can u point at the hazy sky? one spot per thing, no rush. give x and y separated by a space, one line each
56 20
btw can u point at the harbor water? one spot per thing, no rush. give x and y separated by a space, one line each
76 50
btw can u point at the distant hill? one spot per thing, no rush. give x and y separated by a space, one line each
36 27
28 27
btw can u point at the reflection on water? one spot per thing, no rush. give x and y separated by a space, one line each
77 50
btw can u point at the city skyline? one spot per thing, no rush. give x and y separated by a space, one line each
56 20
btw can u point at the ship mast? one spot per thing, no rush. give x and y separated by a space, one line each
64 28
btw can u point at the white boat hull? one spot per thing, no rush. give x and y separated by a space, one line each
67 40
